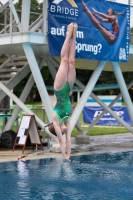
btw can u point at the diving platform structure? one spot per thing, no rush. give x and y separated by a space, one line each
26 48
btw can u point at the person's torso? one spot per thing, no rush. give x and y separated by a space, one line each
62 107
115 28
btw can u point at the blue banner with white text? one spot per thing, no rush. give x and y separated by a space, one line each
91 113
103 28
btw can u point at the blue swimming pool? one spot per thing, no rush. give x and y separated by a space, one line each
90 177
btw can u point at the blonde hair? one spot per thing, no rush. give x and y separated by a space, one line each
115 12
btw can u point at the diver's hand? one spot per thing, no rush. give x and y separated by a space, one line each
94 14
94 10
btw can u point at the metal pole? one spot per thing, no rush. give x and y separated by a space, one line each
23 97
15 15
5 19
104 111
38 79
10 21
45 19
78 97
25 17
123 89
86 93
27 110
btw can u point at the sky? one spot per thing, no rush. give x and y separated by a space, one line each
118 1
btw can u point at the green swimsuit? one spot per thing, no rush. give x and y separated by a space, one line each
62 107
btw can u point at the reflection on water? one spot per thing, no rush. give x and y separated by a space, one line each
93 177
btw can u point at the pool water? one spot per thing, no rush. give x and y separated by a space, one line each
89 177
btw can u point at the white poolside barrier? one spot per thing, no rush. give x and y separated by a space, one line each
107 99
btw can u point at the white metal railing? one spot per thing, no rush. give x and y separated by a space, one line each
9 25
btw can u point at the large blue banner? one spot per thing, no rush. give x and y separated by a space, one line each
91 113
103 28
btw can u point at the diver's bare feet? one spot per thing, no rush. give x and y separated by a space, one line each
70 30
67 158
75 26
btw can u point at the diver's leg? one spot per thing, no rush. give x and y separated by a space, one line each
71 62
61 76
68 141
94 21
57 128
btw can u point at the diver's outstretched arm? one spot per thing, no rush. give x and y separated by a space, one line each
100 18
103 15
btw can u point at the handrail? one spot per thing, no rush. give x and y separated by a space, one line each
7 27
35 22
